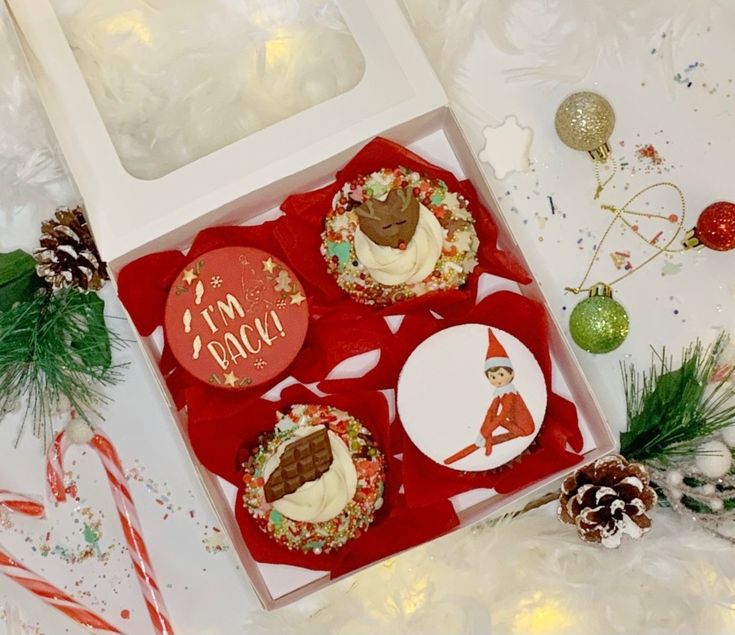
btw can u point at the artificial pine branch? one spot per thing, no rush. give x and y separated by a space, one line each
671 410
56 347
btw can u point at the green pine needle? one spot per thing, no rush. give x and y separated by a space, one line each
56 347
671 410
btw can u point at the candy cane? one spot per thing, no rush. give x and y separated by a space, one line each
44 590
21 504
79 433
55 468
50 594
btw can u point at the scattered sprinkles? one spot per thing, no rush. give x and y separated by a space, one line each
684 77
215 542
356 517
621 260
671 268
649 153
459 255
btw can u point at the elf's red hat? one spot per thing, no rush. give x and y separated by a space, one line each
496 355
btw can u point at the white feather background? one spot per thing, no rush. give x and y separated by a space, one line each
175 81
555 41
33 179
531 576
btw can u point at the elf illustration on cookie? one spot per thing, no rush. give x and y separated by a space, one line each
507 417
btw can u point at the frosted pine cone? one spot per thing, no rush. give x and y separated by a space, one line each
607 500
68 256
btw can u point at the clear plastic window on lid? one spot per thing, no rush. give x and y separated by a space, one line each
175 80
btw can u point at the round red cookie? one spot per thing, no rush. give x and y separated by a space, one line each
236 317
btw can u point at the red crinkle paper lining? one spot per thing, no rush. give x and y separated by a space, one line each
144 284
223 438
555 449
341 329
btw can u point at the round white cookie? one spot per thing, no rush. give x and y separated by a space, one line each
446 400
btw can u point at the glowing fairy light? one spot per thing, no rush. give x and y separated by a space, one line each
128 23
415 597
279 48
541 616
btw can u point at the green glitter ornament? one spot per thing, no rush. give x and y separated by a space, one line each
599 324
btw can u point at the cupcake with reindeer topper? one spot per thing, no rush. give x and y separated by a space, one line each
395 234
316 482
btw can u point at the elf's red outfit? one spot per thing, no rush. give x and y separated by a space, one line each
507 410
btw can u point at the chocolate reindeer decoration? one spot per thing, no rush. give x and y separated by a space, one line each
390 223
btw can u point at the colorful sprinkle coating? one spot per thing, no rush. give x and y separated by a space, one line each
356 517
459 254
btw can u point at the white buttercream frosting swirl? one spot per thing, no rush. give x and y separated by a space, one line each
324 498
390 266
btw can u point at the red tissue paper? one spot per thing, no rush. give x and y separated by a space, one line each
223 437
559 442
144 284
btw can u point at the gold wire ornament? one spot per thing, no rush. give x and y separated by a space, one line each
599 324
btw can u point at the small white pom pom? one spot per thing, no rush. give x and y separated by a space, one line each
62 413
707 489
716 505
674 478
728 435
714 459
675 494
78 432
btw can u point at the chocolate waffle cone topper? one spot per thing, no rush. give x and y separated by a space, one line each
303 461
392 222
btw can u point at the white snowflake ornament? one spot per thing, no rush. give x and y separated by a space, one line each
507 147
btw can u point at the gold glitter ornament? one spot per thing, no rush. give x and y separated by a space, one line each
585 121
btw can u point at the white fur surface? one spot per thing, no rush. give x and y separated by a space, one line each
531 576
33 180
554 41
175 81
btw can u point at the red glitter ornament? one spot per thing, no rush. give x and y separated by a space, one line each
715 228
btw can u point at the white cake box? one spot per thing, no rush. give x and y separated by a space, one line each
398 97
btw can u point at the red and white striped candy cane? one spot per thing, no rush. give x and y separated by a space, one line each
50 594
44 590
21 504
79 433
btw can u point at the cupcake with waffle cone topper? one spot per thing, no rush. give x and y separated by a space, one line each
395 234
316 482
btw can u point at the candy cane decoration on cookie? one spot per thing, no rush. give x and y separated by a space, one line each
78 433
42 589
